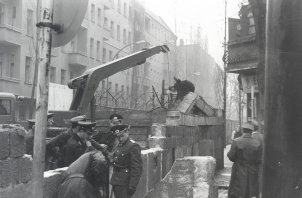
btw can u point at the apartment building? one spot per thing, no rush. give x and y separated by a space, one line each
107 32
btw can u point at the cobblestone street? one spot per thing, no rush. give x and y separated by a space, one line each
222 177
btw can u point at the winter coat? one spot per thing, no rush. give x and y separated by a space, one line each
246 154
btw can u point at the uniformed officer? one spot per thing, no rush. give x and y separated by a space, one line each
70 143
127 164
29 138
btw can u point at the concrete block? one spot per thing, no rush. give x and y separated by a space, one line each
6 176
18 191
158 142
179 152
4 144
173 118
195 150
17 143
52 180
154 169
142 187
167 161
206 148
170 130
189 177
158 130
22 166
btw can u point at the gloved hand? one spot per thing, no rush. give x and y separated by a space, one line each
131 191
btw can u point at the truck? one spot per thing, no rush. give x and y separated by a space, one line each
84 87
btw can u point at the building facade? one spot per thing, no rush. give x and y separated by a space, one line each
244 58
107 32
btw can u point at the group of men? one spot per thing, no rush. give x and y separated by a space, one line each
246 153
89 153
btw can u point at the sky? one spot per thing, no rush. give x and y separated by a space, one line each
188 15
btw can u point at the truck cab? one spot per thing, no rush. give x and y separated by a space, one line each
7 108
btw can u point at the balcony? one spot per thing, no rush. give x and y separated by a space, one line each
10 35
243 55
85 24
78 59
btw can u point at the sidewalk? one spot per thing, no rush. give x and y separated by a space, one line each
222 177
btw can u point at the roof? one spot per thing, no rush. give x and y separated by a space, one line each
159 20
7 95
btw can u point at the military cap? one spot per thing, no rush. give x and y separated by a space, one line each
248 125
119 129
50 115
78 118
86 124
115 116
31 123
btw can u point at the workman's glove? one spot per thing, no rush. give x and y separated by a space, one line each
131 191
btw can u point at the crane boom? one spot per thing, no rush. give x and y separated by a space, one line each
86 84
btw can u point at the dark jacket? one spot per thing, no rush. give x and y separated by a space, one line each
85 177
246 154
127 164
105 137
70 147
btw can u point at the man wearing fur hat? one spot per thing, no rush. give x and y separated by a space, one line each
127 164
246 154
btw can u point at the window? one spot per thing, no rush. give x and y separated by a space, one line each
63 76
72 46
98 47
103 85
12 66
124 36
116 88
29 27
110 55
109 86
2 13
119 6
105 22
91 47
125 9
52 74
130 13
128 91
147 24
104 55
5 106
27 69
129 37
99 16
118 32
92 12
13 15
1 65
122 89
112 29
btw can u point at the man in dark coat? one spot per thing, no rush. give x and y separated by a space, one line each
71 143
127 164
85 177
246 154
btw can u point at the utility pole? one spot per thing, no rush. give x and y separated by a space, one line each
38 17
225 74
282 169
42 97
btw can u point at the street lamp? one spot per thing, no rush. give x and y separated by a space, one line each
135 43
116 55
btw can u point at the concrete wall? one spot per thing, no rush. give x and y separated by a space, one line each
166 144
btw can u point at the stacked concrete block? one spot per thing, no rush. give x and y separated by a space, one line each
52 180
15 166
189 177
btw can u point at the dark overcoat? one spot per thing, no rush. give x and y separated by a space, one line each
246 154
84 177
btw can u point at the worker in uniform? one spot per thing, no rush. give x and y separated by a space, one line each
29 137
85 178
71 143
127 164
246 153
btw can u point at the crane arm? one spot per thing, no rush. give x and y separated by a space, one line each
86 84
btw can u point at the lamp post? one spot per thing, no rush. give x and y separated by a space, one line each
116 55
